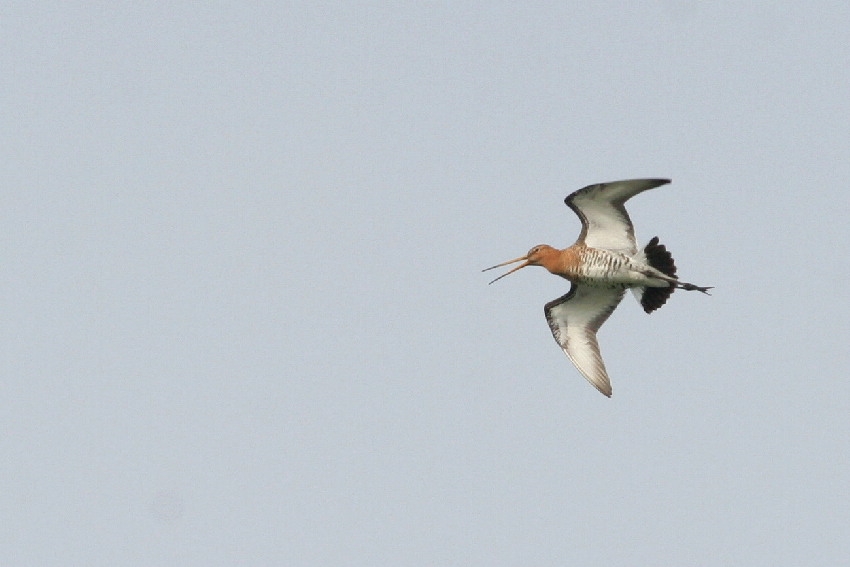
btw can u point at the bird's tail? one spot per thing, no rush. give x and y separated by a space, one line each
657 256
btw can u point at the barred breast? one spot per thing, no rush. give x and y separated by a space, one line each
599 264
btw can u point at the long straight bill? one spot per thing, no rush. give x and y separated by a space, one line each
520 259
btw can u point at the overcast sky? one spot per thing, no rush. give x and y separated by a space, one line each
243 320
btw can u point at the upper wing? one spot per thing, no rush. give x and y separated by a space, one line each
574 320
604 220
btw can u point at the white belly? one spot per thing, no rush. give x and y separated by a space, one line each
604 268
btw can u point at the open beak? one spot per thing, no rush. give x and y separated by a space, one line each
520 259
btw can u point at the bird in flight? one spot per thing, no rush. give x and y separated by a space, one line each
600 266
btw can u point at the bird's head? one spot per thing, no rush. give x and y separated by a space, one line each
540 255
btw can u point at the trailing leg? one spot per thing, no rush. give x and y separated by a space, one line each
692 287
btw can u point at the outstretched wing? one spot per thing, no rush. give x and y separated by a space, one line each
604 221
574 320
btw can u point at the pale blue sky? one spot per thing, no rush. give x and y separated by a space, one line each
243 321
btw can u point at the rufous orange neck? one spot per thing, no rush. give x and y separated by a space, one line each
562 262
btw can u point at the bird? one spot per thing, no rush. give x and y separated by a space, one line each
600 266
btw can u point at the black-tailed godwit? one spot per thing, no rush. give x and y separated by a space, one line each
601 265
